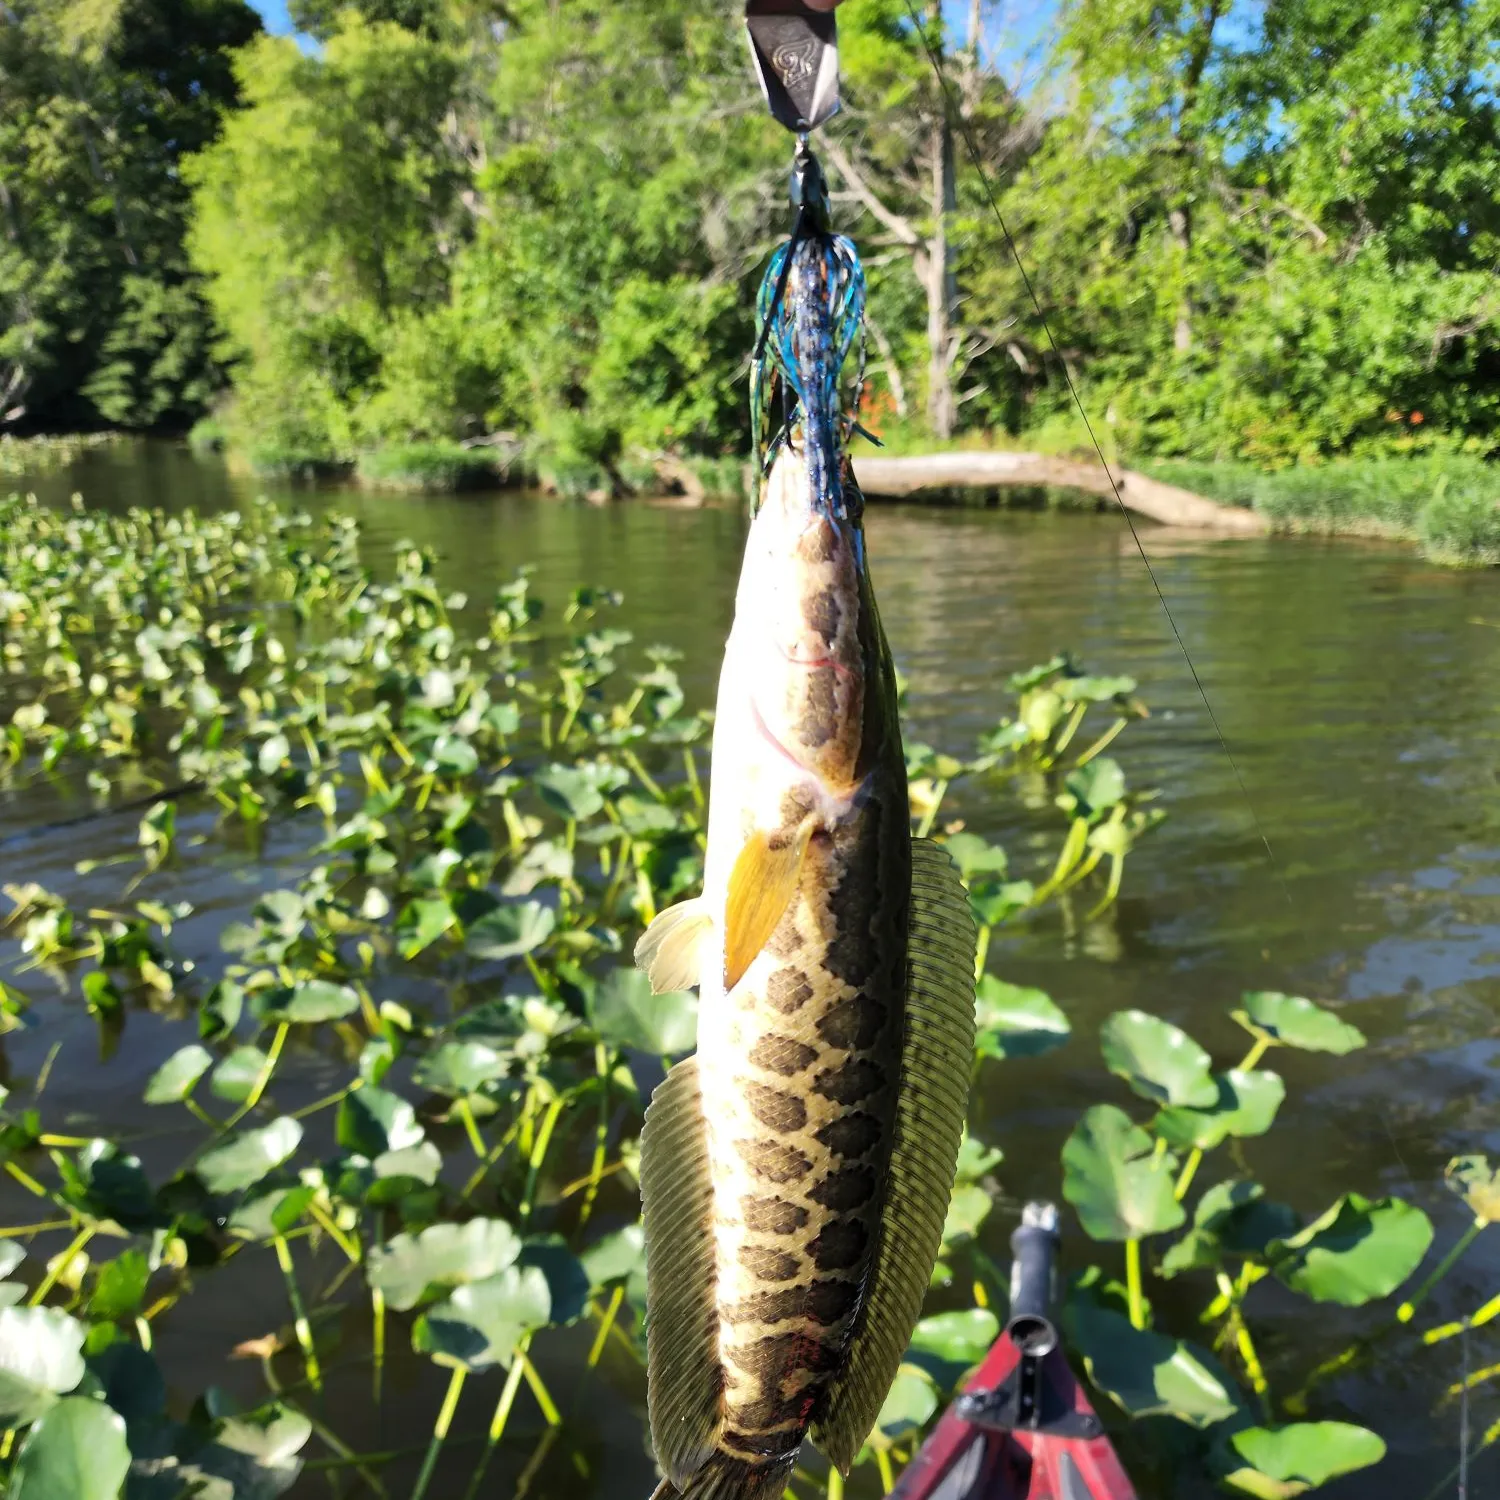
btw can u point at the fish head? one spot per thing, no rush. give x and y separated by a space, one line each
801 605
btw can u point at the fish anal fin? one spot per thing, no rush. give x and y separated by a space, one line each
686 1382
672 948
935 1068
761 887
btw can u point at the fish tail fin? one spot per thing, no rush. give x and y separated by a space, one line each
725 1477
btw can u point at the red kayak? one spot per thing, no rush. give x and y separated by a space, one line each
1022 1429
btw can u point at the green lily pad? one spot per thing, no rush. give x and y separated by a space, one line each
480 1325
412 1267
624 1012
1014 1021
1120 1188
1231 1218
373 1121
571 790
269 1212
949 1344
1159 1061
568 1284
453 756
1277 1463
1093 789
308 1003
41 1358
616 1257
120 1287
76 1451
1247 1105
908 1407
975 856
110 1184
422 923
236 1076
1146 1373
178 1076
1359 1250
968 1208
1294 1021
1478 1184
458 1069
243 1160
511 931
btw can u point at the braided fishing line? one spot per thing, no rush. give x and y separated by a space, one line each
956 121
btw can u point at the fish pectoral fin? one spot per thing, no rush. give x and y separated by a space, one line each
761 887
930 1108
672 948
685 1391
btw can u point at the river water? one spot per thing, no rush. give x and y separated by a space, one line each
1350 851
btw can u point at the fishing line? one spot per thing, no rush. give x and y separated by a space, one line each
956 121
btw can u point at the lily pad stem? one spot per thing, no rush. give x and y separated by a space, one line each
538 1155
61 1263
982 952
1189 1171
1102 743
606 1322
332 1230
299 1312
835 1484
471 1128
1246 1346
887 1475
440 1431
1133 1283
497 1426
930 816
539 1389
1407 1310
261 1082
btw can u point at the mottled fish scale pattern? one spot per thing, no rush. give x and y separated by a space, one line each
808 1083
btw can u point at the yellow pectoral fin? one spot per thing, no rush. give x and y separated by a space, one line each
761 887
671 949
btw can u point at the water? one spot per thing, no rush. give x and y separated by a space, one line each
1354 685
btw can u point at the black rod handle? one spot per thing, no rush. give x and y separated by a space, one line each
1031 1326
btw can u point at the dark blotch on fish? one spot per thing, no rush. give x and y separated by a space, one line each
816 724
824 614
840 1245
778 1446
770 1265
851 1135
819 543
828 1300
772 1356
849 1187
774 1109
774 1163
788 990
766 1415
853 1024
783 1055
773 1215
849 1084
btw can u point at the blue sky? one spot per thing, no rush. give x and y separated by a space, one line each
274 14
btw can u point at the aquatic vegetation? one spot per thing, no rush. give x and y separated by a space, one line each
406 1076
40 455
432 467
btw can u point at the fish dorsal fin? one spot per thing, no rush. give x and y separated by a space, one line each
671 949
761 887
936 1061
682 1317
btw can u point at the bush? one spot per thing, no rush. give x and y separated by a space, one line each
208 435
431 468
272 458
1461 526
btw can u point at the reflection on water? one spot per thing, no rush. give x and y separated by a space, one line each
1355 686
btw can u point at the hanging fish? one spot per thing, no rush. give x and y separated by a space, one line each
795 1173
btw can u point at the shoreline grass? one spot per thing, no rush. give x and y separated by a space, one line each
430 468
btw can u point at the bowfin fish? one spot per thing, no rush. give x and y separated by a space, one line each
795 1173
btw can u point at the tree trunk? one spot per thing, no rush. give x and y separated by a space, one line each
942 410
1180 222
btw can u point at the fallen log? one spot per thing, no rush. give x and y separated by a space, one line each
900 477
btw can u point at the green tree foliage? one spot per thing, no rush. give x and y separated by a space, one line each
100 317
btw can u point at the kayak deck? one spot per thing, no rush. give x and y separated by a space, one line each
975 1454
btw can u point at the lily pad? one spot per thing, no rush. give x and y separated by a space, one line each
77 1451
422 923
1231 1218
907 1408
1014 1021
1359 1250
975 856
272 1211
1158 1060
41 1358
1111 1175
1294 1021
1146 1373
458 1069
1093 789
625 1012
412 1267
1277 1463
568 1284
373 1121
949 1344
179 1075
616 1257
309 1002
511 931
1247 1106
236 1076
110 1184
121 1286
1478 1184
968 1208
480 1324
243 1160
